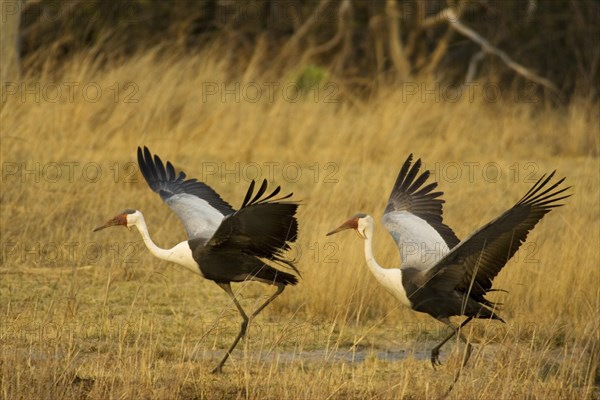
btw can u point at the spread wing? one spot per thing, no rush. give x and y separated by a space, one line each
471 266
197 205
413 217
260 229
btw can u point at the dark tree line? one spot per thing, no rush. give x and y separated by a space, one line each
367 42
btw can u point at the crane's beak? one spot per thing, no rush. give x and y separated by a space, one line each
120 219
350 224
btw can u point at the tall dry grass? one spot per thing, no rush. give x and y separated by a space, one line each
95 316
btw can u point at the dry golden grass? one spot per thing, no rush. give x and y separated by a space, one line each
95 316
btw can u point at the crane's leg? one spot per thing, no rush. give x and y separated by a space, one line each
435 352
227 288
279 290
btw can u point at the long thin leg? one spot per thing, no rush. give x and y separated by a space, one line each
245 320
227 288
435 352
280 288
467 355
465 341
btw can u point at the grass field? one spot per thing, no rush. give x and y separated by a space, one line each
94 316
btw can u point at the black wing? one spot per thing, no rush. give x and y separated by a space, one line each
410 195
471 266
261 229
166 182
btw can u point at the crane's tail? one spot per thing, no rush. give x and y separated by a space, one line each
268 274
486 313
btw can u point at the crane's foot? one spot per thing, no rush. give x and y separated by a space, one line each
435 357
218 369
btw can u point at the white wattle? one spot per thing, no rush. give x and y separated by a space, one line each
391 279
180 254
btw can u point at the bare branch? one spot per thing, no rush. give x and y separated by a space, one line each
292 44
452 19
396 48
449 15
473 65
10 40
344 11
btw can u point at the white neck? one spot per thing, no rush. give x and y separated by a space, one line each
391 279
375 268
180 254
163 254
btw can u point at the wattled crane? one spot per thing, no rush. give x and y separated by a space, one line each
441 275
225 245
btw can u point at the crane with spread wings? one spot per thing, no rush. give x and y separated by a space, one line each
225 245
441 275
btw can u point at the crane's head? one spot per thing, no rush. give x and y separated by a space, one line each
361 223
126 218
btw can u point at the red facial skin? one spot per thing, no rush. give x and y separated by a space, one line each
120 219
